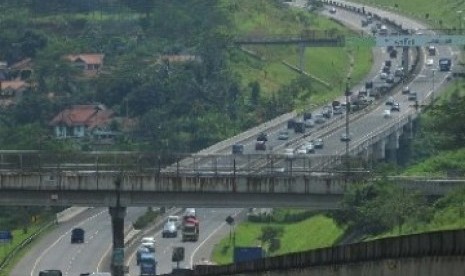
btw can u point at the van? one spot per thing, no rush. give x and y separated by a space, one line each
77 235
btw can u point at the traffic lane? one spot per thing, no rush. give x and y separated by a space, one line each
211 221
74 259
406 22
38 257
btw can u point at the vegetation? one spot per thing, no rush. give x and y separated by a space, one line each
280 233
147 218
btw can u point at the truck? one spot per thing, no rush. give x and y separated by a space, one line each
190 228
148 264
244 254
445 64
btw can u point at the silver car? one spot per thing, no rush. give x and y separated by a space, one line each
169 230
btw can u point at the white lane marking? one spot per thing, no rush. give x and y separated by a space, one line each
191 261
36 263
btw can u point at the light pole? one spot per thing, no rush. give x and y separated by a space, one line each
432 91
347 138
460 20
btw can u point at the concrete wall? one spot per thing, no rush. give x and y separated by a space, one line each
435 253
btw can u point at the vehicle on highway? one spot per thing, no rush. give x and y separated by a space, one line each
169 230
290 123
262 137
309 123
237 149
307 115
387 113
383 75
388 63
309 147
283 135
399 72
395 107
176 220
327 111
390 101
332 10
299 127
190 212
142 249
289 153
77 235
50 272
95 274
319 118
431 50
318 143
260 145
190 228
148 264
412 96
383 30
390 78
393 54
445 64
346 137
148 242
429 62
302 150
405 90
338 110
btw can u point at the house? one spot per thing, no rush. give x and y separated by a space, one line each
11 91
90 64
79 121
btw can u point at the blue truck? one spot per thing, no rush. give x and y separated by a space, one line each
148 264
244 254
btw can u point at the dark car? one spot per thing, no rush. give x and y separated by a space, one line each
50 272
412 96
291 123
318 143
260 145
346 137
77 235
262 137
395 107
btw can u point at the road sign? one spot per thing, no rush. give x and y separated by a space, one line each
5 236
178 254
418 40
230 220
118 256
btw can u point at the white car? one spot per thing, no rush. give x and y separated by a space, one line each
289 153
302 150
176 220
429 62
383 75
332 10
387 113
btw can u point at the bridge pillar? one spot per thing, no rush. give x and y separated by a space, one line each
117 224
379 150
302 47
392 146
408 129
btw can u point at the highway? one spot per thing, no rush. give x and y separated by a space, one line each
212 224
55 251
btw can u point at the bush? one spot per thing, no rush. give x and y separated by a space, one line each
147 218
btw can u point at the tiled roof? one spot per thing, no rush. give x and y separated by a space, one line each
87 58
14 84
90 116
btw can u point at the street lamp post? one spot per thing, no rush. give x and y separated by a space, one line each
460 20
432 91
347 140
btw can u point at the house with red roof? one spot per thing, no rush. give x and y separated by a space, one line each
88 63
11 91
77 121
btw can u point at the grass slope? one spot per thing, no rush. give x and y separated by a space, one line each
315 232
264 18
